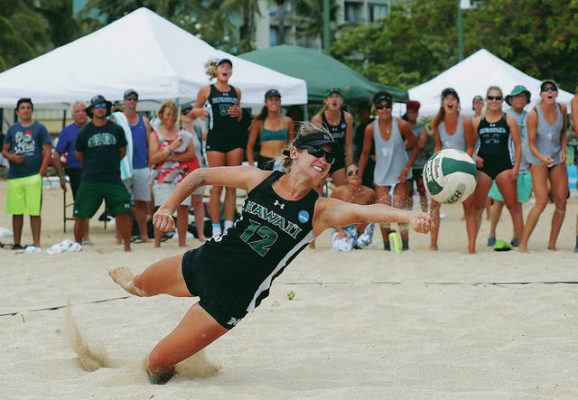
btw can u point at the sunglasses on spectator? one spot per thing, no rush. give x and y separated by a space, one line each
133 98
381 106
549 89
318 152
497 98
101 105
353 172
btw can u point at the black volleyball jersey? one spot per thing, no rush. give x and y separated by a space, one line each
494 138
270 233
220 103
337 131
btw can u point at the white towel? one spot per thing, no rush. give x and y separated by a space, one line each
126 163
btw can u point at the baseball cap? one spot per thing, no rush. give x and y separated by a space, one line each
450 91
412 105
128 92
548 81
382 96
225 61
272 93
333 90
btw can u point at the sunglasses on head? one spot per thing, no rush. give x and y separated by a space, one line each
101 105
549 89
318 152
497 98
381 106
353 172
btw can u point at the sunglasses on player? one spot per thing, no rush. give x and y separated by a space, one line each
549 89
318 152
381 106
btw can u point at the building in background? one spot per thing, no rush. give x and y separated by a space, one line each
286 23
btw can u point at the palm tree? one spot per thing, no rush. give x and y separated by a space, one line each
312 27
23 33
248 10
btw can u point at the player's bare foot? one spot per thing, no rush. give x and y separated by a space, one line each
124 278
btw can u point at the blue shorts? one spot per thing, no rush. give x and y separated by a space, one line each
524 188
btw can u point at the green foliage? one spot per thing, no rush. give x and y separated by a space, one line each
418 40
24 33
312 10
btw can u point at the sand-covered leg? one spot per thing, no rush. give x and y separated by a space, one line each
124 277
196 330
158 376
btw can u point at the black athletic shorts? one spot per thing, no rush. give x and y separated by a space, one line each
265 163
223 307
224 142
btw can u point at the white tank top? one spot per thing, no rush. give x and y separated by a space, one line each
390 156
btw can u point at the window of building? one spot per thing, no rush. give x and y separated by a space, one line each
353 12
274 35
378 11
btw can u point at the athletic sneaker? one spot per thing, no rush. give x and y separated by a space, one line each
515 243
32 249
491 241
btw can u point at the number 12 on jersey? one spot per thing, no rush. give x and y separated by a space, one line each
267 237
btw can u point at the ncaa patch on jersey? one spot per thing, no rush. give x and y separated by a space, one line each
303 216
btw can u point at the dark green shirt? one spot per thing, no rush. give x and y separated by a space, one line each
101 148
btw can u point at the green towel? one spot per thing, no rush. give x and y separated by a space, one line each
502 245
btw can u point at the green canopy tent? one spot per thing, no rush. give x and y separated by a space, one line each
321 73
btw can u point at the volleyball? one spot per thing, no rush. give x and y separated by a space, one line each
450 176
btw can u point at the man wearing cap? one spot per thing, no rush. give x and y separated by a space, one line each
138 183
27 147
100 145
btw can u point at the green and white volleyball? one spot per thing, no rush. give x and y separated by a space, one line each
450 176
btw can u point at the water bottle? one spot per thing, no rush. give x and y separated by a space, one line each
395 242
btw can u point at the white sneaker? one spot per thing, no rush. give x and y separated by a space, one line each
32 249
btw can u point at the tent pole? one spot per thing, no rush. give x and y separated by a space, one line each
305 113
63 119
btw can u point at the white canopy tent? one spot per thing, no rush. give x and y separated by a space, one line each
472 77
142 51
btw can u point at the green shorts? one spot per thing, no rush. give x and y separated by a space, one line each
524 188
90 196
24 195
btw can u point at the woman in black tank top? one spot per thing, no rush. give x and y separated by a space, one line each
233 273
220 103
340 124
495 131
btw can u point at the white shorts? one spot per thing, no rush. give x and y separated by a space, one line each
138 184
162 191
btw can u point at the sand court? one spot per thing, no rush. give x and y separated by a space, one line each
367 324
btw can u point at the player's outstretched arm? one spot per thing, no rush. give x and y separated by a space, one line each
337 213
241 177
